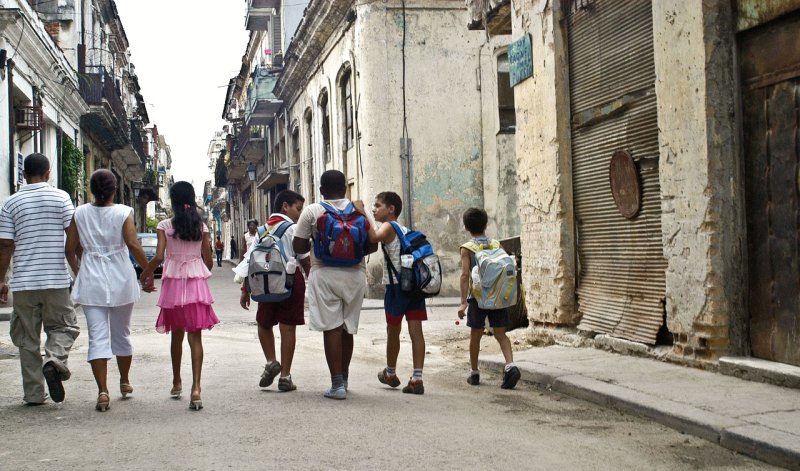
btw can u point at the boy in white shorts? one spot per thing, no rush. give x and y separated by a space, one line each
335 293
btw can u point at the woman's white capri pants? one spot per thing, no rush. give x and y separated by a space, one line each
109 331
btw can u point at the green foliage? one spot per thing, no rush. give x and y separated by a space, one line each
150 179
151 224
72 167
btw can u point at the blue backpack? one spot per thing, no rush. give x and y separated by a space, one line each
341 238
420 273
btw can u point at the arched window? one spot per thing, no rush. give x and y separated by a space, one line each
326 125
347 109
309 160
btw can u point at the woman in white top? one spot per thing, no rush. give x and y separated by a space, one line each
105 285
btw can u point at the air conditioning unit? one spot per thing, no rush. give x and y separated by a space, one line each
261 72
29 117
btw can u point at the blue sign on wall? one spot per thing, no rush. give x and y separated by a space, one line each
520 60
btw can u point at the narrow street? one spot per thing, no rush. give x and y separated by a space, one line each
453 426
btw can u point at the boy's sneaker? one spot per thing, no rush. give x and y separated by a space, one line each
474 379
414 386
338 393
510 378
286 384
388 379
271 370
54 385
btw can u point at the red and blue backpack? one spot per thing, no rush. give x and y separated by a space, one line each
341 238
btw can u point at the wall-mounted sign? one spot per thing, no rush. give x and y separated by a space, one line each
520 60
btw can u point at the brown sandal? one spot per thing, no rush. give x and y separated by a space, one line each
125 389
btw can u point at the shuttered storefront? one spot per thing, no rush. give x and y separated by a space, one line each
621 283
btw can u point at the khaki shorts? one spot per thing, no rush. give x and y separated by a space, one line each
335 296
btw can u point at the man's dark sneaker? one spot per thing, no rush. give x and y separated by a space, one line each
387 379
53 378
414 386
510 378
286 384
474 379
271 370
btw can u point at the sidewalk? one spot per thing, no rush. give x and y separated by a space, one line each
756 419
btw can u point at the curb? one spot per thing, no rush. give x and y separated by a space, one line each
768 445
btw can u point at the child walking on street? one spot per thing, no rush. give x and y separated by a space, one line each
185 300
386 210
475 221
287 314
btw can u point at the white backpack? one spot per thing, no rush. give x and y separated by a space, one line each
269 272
494 276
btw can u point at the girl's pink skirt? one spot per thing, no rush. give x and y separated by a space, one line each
185 305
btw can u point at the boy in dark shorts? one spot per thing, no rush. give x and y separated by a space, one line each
386 209
475 221
286 314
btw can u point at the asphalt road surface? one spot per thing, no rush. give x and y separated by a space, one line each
452 426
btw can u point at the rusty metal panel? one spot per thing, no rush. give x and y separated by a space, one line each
612 74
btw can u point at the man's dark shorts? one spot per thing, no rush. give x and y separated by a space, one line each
289 311
476 317
397 305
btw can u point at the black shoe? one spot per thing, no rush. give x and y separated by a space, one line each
510 378
474 379
53 378
271 370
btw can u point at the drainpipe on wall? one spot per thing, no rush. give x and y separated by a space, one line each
11 157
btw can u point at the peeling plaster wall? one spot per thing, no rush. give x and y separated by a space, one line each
545 167
700 175
443 116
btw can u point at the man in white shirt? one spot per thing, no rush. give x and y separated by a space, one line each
335 293
32 225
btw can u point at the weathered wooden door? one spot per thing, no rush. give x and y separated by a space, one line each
770 58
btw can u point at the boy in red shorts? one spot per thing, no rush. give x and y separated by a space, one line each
286 314
387 208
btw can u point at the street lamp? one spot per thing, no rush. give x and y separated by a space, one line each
251 172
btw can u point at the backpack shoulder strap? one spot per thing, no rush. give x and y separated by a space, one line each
400 234
328 208
281 229
261 231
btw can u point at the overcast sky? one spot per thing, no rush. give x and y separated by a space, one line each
185 53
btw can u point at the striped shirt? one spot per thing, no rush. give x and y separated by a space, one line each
35 219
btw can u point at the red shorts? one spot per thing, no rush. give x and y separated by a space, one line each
289 311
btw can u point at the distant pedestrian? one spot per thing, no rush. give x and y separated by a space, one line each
105 285
32 225
250 235
232 246
338 279
286 314
185 300
475 221
218 248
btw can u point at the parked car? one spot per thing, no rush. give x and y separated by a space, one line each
149 243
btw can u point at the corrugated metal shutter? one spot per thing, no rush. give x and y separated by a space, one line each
612 75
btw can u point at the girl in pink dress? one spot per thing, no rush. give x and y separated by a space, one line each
185 300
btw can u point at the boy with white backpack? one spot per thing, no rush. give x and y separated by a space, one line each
275 282
488 287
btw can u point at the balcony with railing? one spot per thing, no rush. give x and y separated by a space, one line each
107 117
493 15
259 13
262 104
137 143
251 144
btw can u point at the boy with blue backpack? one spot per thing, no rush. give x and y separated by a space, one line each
488 287
274 281
338 279
402 300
